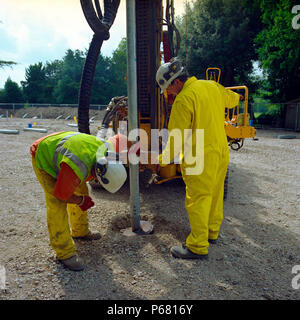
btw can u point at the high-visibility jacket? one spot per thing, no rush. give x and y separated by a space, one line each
78 150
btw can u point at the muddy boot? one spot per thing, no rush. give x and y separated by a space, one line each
73 263
183 252
213 241
90 236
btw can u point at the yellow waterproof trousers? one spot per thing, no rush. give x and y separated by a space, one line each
58 215
204 200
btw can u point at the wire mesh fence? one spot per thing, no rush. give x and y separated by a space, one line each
17 106
278 115
45 111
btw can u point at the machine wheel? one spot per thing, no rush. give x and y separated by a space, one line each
144 178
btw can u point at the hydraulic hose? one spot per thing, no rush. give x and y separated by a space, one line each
100 24
87 83
111 110
94 22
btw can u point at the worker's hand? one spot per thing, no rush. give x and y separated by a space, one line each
241 97
87 203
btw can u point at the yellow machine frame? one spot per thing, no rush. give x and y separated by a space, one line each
236 124
211 74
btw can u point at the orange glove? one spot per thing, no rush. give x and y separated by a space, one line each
86 203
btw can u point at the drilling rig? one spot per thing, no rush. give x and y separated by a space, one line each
155 28
157 39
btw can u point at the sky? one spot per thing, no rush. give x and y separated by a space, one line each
33 31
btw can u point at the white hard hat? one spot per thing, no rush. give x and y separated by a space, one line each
167 72
110 173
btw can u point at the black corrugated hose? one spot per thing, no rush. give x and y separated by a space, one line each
100 24
87 83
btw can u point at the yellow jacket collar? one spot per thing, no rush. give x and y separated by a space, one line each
188 82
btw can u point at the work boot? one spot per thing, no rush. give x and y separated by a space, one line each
73 263
90 236
213 241
184 252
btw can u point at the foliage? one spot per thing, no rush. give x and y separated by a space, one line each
12 93
67 87
110 75
34 84
278 49
272 117
6 63
2 65
58 81
220 34
229 34
119 67
103 86
27 105
52 76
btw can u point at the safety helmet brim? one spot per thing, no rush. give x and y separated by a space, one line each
168 72
168 83
112 177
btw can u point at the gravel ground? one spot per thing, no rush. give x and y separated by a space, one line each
259 242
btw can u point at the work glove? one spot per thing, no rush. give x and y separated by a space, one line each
86 203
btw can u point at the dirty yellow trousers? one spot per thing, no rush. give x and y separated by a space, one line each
59 214
204 201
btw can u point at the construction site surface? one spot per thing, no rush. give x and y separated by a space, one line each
257 250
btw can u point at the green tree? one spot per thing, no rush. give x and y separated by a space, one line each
6 63
119 67
67 87
279 50
103 88
220 34
12 93
110 74
2 65
2 92
59 81
34 84
53 72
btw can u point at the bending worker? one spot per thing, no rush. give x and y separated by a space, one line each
63 162
199 104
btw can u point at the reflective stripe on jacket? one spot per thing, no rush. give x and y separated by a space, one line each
78 150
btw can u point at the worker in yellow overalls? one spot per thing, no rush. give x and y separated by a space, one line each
63 162
200 107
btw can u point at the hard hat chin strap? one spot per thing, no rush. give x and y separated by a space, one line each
101 169
102 164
